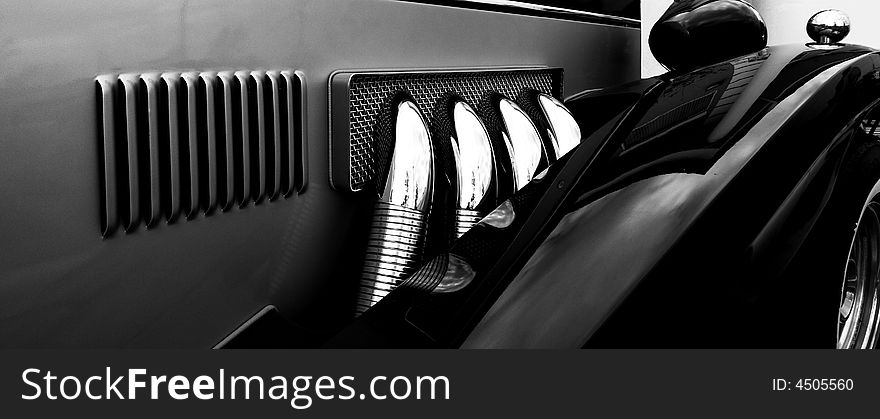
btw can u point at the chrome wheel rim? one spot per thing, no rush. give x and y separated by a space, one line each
857 314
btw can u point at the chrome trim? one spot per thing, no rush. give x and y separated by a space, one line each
541 175
466 220
539 8
244 326
501 217
458 275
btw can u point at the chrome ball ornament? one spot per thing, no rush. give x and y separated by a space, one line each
828 27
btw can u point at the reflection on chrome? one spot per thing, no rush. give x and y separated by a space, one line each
522 140
541 175
472 152
409 176
564 130
473 156
398 230
828 27
501 217
458 275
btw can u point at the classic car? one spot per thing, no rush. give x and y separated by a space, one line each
432 173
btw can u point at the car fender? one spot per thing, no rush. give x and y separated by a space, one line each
599 253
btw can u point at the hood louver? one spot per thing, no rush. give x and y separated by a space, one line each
176 144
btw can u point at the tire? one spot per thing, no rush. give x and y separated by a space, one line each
859 295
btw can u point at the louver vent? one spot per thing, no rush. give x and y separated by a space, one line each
176 144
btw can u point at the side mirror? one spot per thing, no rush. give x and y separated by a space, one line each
695 33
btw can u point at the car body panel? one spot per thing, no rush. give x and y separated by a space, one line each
191 283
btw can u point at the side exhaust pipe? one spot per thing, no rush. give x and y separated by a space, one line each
468 162
521 152
561 131
397 234
475 164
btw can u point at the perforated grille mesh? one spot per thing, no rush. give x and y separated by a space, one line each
369 92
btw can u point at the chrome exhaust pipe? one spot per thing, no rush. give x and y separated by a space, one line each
474 167
554 120
397 233
564 131
524 144
467 185
521 153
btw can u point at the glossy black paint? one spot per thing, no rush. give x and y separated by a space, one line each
683 224
694 33
692 243
747 286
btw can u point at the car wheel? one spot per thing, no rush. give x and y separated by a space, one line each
849 251
836 271
858 313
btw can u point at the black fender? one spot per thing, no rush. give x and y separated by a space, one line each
693 244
